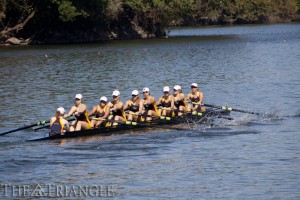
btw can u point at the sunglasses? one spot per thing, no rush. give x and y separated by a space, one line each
193 87
77 99
133 95
145 92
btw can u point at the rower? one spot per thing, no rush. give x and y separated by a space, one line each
134 107
166 103
79 110
58 124
149 104
196 98
100 113
116 109
179 101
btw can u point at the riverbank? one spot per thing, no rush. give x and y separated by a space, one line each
68 22
125 31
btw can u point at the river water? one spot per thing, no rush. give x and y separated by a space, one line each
253 68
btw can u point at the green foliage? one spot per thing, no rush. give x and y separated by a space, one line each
2 8
60 15
252 10
67 11
113 9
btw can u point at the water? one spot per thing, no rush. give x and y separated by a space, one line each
254 68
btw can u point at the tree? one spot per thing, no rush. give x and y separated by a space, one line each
14 15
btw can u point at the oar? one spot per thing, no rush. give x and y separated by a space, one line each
232 109
25 127
200 114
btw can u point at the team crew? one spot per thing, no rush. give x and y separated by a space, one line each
134 107
149 103
116 109
138 109
79 110
166 103
196 97
179 101
101 112
58 124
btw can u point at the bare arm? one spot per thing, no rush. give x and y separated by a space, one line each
107 111
172 102
141 106
201 97
52 120
71 112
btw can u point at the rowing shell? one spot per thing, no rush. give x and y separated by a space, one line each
158 122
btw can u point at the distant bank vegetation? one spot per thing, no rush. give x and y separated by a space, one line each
77 21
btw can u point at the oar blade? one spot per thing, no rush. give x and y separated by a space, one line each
24 127
232 109
18 129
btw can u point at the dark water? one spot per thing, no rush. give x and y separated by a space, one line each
254 68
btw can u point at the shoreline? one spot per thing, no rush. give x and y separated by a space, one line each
112 36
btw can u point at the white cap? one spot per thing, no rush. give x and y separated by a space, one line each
116 93
194 85
145 89
78 96
135 92
177 87
103 99
61 110
166 89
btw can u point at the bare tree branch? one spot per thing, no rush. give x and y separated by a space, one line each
8 31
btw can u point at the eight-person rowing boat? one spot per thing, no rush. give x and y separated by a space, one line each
128 126
136 113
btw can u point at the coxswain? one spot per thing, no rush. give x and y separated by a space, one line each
99 111
196 98
79 110
180 105
134 107
116 109
58 125
149 104
166 103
